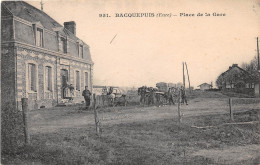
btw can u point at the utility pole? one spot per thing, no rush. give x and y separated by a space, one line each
188 75
258 67
183 75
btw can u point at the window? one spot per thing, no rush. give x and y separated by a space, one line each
63 45
32 77
77 80
39 37
86 79
48 78
81 51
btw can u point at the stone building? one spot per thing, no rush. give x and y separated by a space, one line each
41 59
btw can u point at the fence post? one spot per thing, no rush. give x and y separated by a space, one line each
230 109
96 116
179 110
25 120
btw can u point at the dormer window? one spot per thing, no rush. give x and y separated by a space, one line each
81 51
39 37
38 34
63 45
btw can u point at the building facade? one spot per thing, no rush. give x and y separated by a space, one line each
236 79
205 86
41 59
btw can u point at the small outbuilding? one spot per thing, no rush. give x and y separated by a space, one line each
205 86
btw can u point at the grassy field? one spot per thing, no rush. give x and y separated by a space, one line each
143 135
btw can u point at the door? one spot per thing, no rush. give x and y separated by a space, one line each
64 81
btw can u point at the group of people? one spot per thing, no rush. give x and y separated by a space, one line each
146 92
148 95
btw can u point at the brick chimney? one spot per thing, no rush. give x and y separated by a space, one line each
71 26
234 65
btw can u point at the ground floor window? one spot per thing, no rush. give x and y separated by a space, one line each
48 78
86 79
77 77
32 77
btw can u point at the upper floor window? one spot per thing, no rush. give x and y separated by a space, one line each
32 77
63 45
39 37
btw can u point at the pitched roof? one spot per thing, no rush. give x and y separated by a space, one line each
236 66
30 13
204 84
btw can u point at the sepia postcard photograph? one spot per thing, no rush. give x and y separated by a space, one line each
130 82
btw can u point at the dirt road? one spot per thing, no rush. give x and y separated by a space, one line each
49 120
131 130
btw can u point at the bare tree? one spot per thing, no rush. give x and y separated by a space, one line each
251 68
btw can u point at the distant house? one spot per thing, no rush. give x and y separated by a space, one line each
236 77
237 80
205 86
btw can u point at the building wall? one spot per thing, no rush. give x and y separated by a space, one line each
6 25
72 67
8 78
7 30
44 98
41 97
50 41
204 87
24 33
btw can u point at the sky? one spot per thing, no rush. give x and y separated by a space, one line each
147 50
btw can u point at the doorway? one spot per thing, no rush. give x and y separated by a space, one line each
64 81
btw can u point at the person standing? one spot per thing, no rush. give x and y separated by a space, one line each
87 96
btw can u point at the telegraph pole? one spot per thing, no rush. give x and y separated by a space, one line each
188 75
258 67
183 75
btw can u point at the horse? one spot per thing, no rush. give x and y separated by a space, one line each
120 100
111 98
142 91
151 95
